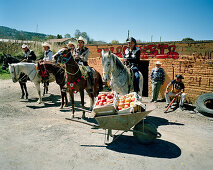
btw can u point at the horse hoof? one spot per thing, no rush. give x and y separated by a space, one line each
61 107
26 97
21 97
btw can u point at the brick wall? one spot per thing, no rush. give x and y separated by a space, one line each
193 60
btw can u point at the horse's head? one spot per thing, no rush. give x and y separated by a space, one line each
42 70
108 64
62 56
14 72
5 62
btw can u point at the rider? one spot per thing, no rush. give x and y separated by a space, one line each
29 55
72 46
81 57
131 59
47 52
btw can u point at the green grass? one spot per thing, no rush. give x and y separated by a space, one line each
4 74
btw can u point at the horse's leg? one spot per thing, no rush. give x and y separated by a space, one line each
22 90
91 95
44 89
25 88
82 102
37 84
62 98
72 102
66 100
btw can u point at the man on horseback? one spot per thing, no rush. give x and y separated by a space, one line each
47 57
131 59
72 46
29 55
81 57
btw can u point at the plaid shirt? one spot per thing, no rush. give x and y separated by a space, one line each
157 74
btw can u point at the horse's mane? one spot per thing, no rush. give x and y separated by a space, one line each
12 59
119 64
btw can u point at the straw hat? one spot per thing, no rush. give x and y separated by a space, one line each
45 44
158 63
73 43
24 46
82 39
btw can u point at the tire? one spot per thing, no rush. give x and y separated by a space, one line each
204 104
147 134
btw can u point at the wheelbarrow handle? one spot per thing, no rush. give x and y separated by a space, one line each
170 104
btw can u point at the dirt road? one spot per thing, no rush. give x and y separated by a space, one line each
34 136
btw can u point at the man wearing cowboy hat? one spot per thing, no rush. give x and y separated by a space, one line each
131 59
47 52
81 57
29 55
177 91
157 78
72 46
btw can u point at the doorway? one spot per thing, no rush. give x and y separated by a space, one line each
143 67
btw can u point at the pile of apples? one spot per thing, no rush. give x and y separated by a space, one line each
125 102
105 99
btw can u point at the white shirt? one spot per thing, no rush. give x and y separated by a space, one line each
48 55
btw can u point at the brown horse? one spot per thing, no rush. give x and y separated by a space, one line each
75 80
44 68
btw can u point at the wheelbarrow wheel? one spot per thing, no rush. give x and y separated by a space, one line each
145 132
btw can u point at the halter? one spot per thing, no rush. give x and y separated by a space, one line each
64 58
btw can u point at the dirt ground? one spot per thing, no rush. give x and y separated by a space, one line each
34 136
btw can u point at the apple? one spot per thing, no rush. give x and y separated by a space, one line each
126 106
132 99
128 99
127 103
101 103
132 104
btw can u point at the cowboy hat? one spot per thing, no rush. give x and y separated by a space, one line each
24 46
82 39
179 76
45 44
73 43
158 63
131 39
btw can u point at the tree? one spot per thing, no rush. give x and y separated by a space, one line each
67 36
188 40
50 37
77 33
115 42
59 36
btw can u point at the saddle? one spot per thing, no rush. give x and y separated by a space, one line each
84 72
131 78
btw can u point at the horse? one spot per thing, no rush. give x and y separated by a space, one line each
7 59
46 67
76 81
112 65
30 70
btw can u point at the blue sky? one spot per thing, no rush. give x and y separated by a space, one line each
109 20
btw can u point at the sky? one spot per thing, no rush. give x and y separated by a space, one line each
108 20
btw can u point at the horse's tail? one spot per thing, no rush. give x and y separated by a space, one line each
100 82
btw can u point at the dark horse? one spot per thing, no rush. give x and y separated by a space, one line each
46 67
76 81
7 59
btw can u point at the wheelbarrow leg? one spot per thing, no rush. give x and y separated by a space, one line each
107 135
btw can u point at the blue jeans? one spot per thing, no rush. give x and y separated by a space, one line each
136 79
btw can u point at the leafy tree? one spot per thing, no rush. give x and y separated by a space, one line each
67 36
115 42
50 37
59 36
188 40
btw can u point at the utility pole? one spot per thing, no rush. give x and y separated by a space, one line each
160 38
37 28
128 34
151 37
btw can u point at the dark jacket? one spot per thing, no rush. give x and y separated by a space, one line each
29 56
133 57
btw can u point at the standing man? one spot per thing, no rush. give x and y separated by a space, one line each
157 78
131 59
47 52
178 91
29 55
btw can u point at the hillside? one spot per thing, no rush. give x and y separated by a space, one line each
9 33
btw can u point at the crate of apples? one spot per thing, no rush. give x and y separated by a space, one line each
105 99
127 103
105 104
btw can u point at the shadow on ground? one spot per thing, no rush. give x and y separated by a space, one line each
129 145
158 121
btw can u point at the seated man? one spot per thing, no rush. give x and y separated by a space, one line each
131 59
177 91
81 55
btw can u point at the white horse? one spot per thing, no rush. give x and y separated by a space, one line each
112 65
30 70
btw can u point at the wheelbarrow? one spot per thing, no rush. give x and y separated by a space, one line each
143 131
